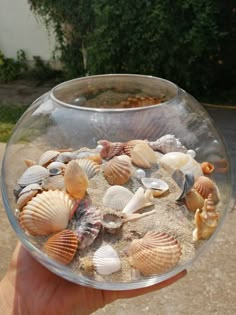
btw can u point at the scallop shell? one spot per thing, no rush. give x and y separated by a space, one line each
193 200
95 158
27 194
117 197
47 157
155 253
90 167
33 175
139 200
110 149
54 183
129 146
117 171
207 167
111 222
143 156
182 161
106 260
168 143
76 180
157 186
56 168
47 213
205 186
62 246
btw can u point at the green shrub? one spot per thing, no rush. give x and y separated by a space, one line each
11 69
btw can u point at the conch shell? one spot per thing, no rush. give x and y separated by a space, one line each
143 156
168 143
117 171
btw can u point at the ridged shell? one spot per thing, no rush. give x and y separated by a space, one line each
207 168
33 175
47 157
117 171
47 213
205 186
56 168
54 183
193 200
117 197
110 149
62 246
129 146
90 167
106 260
155 253
168 143
76 180
139 200
95 158
143 156
27 194
66 157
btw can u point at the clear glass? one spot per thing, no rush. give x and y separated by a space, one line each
80 112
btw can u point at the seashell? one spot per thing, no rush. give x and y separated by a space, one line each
54 183
143 156
185 182
76 180
106 260
193 200
111 222
90 167
157 186
207 168
95 158
110 149
47 157
47 213
66 157
126 158
29 163
33 175
155 253
16 190
117 171
62 246
139 200
206 220
56 168
168 143
182 161
129 146
117 197
27 194
86 223
205 186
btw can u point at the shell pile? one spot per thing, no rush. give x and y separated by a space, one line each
105 210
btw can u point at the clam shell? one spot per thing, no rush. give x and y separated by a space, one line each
193 200
111 222
76 180
62 246
110 149
139 200
54 183
47 213
117 171
205 186
66 157
117 197
207 168
33 175
129 146
143 156
56 168
27 194
155 183
48 157
90 167
106 260
168 143
155 253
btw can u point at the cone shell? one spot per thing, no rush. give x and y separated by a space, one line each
155 253
168 143
205 186
34 174
76 180
106 260
207 168
62 246
27 194
117 197
139 200
47 213
143 156
117 171
90 167
110 149
193 200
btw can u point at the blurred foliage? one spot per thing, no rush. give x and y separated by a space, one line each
12 69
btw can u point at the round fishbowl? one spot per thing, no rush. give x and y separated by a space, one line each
116 181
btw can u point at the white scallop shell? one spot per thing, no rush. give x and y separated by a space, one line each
139 200
48 157
33 175
91 168
117 197
106 260
27 194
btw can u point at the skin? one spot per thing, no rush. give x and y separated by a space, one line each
28 288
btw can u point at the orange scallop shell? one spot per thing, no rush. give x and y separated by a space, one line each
207 167
117 171
205 186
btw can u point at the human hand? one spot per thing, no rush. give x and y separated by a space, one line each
29 288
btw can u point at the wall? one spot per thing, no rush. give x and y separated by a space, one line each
20 29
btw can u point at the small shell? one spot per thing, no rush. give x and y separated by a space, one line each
111 222
205 186
54 183
95 158
125 158
129 146
207 167
47 213
62 246
117 197
110 149
143 156
90 167
56 168
66 157
157 186
29 163
76 180
155 253
193 200
47 157
185 182
106 260
139 200
27 194
168 143
117 171
33 175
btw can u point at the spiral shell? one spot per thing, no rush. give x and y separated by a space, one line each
207 167
205 186
155 253
143 156
106 260
47 213
62 246
90 167
117 171
168 143
47 157
117 197
110 149
33 175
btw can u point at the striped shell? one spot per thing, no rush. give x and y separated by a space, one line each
54 183
168 143
117 197
47 213
207 167
155 253
33 175
27 194
90 167
110 149
205 186
76 180
129 146
47 157
106 260
143 156
62 246
117 171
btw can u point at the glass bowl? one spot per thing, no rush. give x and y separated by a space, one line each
130 214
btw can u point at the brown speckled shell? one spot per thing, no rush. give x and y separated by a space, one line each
117 171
